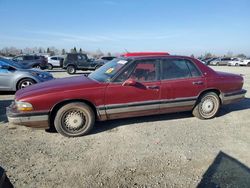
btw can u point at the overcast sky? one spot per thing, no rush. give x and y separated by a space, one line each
177 26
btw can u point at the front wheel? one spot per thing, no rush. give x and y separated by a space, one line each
50 66
71 69
74 119
37 67
25 83
207 106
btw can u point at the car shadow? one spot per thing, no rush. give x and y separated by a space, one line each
7 93
3 105
109 125
238 106
225 171
4 180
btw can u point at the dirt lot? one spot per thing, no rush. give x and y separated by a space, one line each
174 150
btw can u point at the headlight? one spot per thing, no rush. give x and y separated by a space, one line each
41 75
23 106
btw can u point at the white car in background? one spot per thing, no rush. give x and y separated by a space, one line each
245 62
54 61
234 62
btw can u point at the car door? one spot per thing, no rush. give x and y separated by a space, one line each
181 83
135 92
82 61
5 77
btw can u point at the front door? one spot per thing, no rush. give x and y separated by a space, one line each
136 99
6 76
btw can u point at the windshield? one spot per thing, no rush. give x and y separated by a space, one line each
12 63
106 72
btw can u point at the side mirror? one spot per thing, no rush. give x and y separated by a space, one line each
129 82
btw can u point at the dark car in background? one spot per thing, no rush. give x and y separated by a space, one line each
78 61
32 61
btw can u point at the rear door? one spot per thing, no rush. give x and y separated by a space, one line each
82 61
181 84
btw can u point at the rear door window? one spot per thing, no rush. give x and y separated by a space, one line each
174 69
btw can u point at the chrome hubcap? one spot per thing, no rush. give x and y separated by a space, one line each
74 120
207 106
25 84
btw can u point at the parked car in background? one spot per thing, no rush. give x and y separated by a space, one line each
54 61
234 62
106 58
32 61
207 61
220 61
14 76
245 62
126 87
79 61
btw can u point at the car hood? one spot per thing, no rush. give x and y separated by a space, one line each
56 85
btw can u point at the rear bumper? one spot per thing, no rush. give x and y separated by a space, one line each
34 119
228 98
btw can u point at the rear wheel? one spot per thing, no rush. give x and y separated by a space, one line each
71 69
25 83
74 119
37 66
237 64
50 66
207 106
248 64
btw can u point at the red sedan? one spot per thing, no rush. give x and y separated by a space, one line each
126 87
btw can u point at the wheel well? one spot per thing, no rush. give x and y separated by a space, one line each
55 108
211 90
71 65
23 79
35 65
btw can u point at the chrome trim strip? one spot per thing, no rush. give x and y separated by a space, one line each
178 104
228 98
145 105
20 120
132 109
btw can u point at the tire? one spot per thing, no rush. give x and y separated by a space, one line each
74 119
71 69
37 66
237 64
24 83
207 106
248 64
50 67
217 64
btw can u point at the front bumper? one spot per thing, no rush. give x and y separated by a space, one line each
228 98
29 119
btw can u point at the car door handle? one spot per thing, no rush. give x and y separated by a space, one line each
153 87
198 83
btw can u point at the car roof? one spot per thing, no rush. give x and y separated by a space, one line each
135 54
157 56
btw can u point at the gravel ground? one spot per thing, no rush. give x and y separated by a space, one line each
174 150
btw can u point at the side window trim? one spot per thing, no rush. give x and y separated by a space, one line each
186 60
134 63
